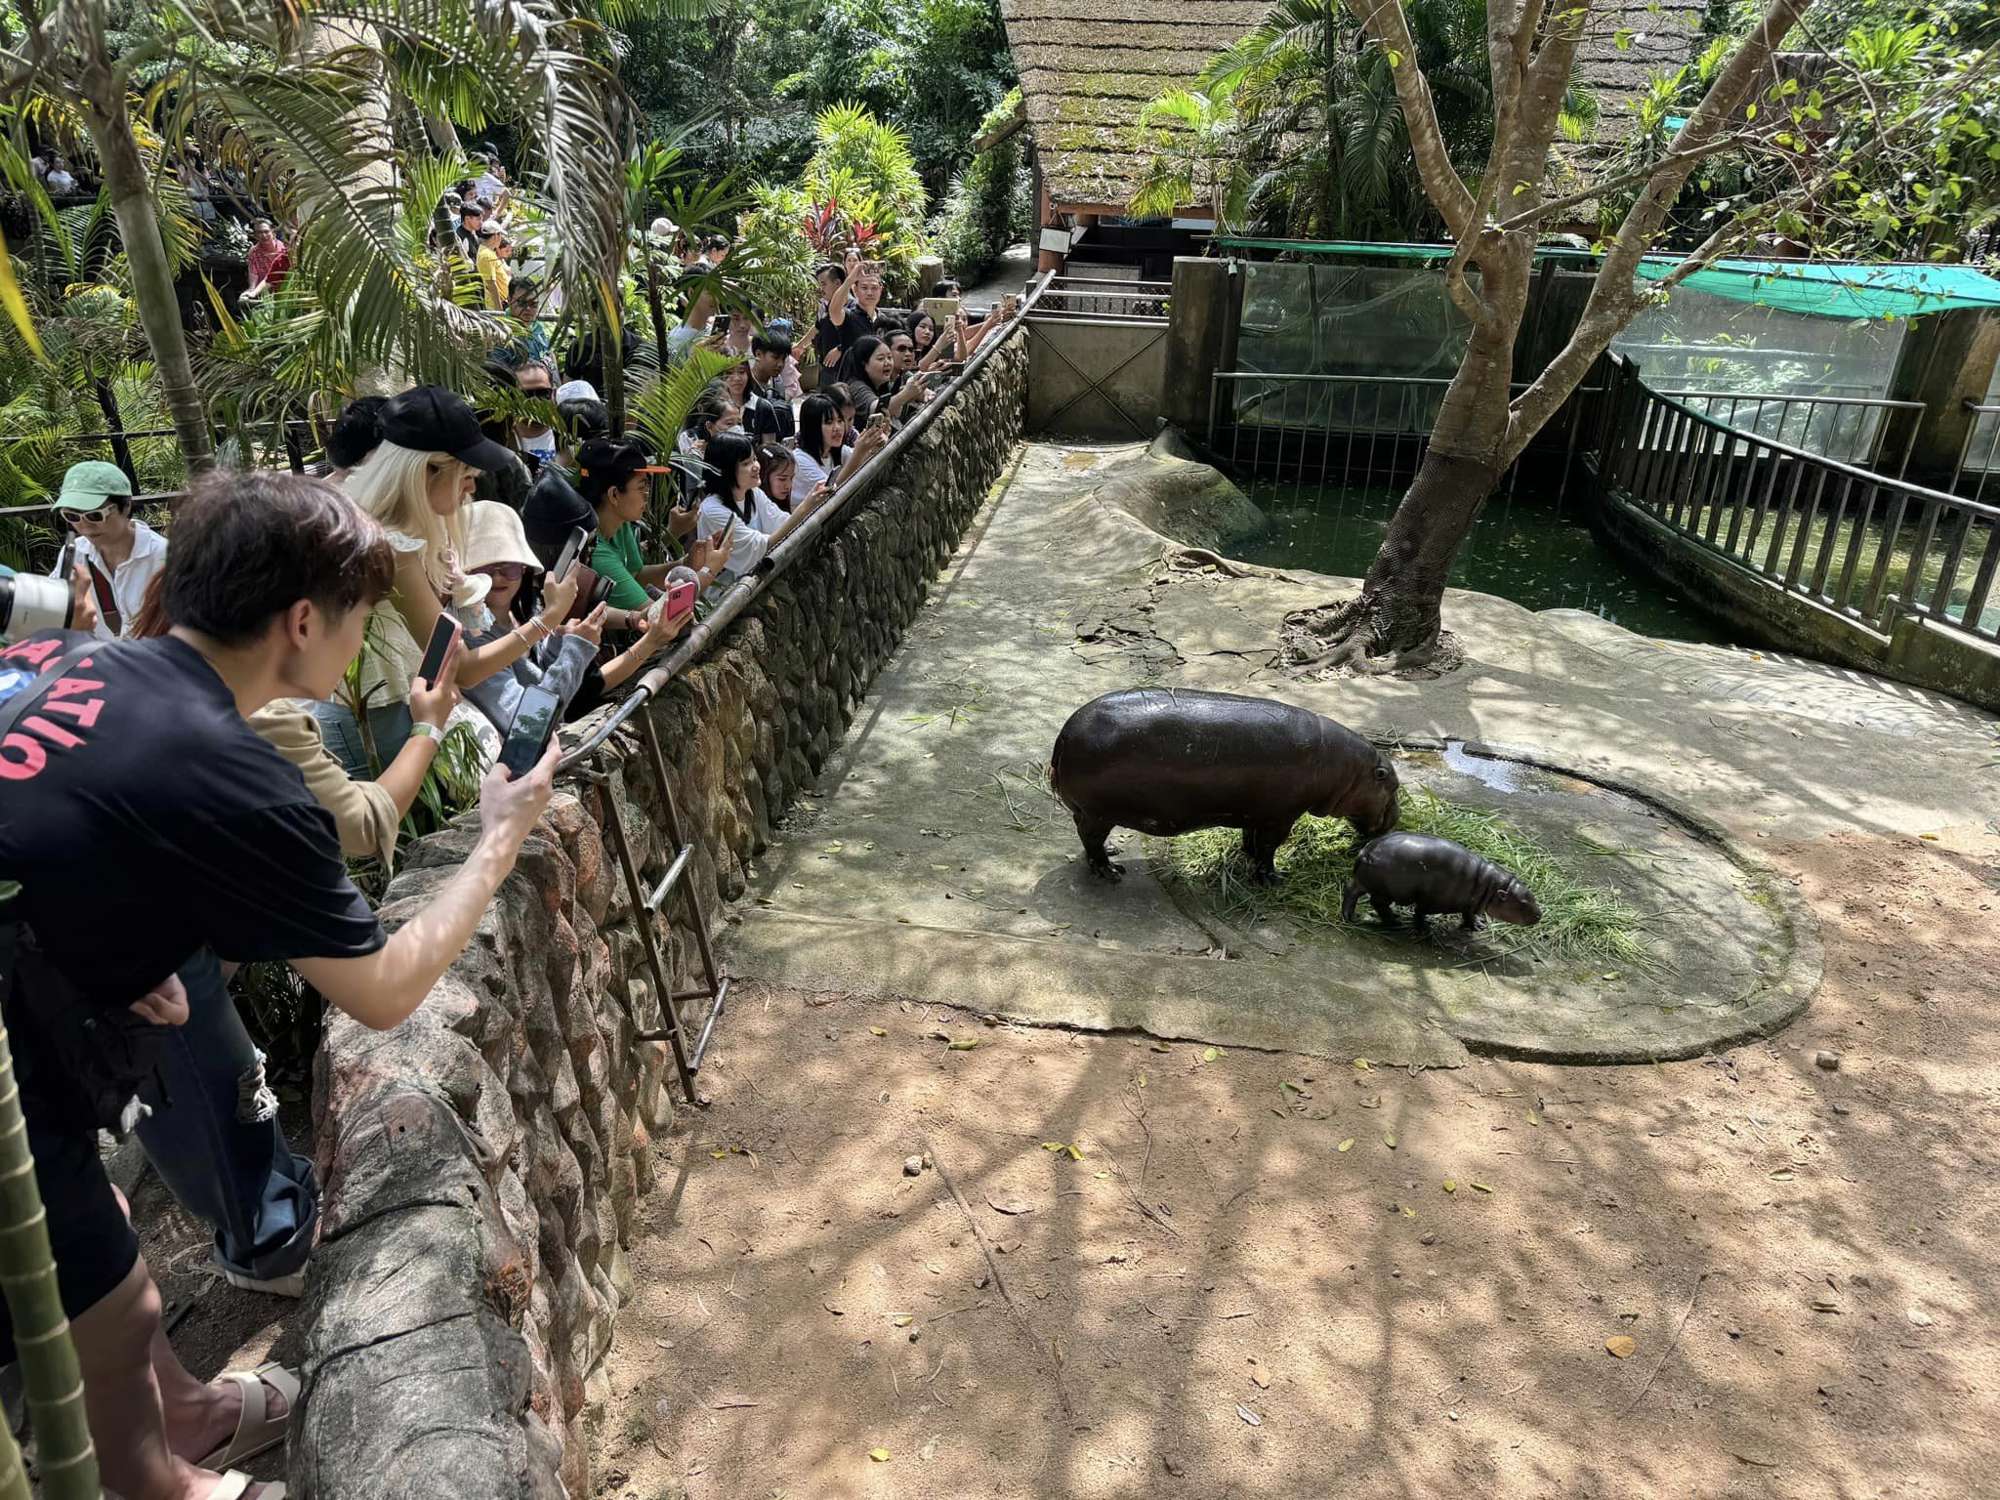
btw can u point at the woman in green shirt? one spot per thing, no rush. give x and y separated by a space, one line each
615 476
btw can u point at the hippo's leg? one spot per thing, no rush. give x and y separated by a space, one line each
1260 847
1350 898
1093 832
1470 921
1385 909
1422 919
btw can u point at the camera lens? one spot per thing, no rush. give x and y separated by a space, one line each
29 603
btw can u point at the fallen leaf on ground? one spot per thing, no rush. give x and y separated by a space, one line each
1248 1415
1479 1187
876 1031
1361 1063
1348 1144
1621 1346
1389 1140
1009 1205
880 1455
1210 1054
1450 1186
963 1044
902 1320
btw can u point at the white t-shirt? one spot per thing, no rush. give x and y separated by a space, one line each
811 472
542 446
748 540
130 578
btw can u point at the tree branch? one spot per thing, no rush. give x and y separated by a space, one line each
1385 22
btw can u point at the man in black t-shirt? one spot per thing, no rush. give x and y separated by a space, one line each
841 322
768 415
138 802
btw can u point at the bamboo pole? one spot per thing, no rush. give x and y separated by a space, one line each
64 1455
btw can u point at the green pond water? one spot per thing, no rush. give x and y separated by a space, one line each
1522 548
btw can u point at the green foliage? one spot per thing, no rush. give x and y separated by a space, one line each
1296 128
977 222
758 73
1892 153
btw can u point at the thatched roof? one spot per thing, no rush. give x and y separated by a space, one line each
1088 67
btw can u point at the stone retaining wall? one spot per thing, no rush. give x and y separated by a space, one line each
484 1163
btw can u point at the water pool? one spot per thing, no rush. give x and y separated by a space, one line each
1523 547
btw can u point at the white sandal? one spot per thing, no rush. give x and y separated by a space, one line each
236 1484
256 1430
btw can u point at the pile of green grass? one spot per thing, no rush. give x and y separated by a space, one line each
1581 922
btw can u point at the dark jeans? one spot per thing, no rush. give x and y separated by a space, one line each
217 1144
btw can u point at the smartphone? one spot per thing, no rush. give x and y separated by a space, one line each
719 323
107 602
442 635
680 599
599 592
566 559
528 736
941 309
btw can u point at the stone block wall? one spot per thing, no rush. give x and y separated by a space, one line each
484 1162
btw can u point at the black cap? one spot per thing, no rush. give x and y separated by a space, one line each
613 461
431 419
471 206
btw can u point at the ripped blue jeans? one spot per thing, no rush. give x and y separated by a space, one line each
217 1144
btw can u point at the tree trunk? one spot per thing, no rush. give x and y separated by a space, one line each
1396 620
110 125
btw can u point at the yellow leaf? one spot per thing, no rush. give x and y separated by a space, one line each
963 1044
1075 1153
1100 1174
1053 1146
1409 1213
880 1455
1210 1054
1361 1063
1621 1345
876 1031
16 306
903 1320
1389 1141
1781 1175
1479 1187
718 1155
1450 1186
1348 1144
1534 1119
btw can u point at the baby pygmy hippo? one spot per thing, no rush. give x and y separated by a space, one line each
1435 875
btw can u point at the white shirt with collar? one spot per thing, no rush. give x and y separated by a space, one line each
130 578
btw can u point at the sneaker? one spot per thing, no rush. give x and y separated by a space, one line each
293 1285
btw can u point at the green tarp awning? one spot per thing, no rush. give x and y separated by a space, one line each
1825 289
1838 289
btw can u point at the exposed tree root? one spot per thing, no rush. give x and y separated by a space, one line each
1342 637
1200 559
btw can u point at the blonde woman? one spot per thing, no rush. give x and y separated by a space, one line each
418 482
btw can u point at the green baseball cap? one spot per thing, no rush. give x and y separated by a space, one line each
89 484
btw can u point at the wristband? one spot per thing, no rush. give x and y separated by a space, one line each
424 729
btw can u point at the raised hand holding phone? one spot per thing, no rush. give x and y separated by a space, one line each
557 597
591 626
434 693
82 599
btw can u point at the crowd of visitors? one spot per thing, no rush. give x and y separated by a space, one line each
243 704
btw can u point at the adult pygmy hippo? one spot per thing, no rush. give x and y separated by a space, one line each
1171 760
1435 875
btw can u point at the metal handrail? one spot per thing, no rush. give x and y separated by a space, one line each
751 585
1880 401
1844 470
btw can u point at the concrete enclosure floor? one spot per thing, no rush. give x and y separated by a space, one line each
934 865
1765 1272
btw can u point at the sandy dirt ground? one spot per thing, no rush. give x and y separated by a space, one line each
1220 1296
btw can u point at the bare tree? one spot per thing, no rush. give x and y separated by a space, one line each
1483 425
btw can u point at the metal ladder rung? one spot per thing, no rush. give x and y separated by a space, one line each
666 1033
658 897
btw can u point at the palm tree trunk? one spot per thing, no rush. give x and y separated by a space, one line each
110 124
49 1370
